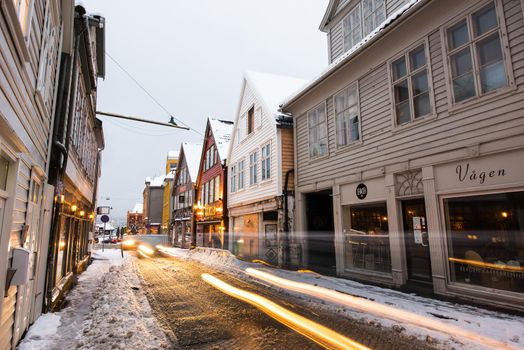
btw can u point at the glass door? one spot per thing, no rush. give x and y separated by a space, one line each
416 240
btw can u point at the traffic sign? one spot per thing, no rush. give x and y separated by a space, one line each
104 218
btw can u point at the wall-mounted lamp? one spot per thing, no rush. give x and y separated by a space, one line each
73 208
82 213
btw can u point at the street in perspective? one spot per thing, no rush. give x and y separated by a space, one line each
262 175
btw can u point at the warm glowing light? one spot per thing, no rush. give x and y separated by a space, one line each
62 199
384 218
61 245
73 208
145 250
258 261
128 243
509 268
240 241
504 214
91 216
375 308
82 213
314 331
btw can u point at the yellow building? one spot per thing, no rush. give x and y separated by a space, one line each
171 164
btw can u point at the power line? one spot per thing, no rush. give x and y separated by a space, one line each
148 93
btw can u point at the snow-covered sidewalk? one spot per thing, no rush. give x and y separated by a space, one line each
371 304
106 310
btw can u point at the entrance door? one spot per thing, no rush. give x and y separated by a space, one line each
416 240
320 232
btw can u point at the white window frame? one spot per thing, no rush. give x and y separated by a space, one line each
241 172
359 8
349 142
265 162
506 55
409 74
233 178
20 29
318 107
253 168
372 15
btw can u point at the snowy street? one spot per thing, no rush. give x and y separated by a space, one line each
162 302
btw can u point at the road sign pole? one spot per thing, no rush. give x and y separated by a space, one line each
103 234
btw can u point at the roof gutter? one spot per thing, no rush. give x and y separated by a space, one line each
405 12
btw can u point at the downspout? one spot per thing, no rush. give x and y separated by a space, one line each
287 260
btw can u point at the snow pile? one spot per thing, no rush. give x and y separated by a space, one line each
107 310
491 324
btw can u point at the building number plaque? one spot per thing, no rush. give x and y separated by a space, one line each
362 191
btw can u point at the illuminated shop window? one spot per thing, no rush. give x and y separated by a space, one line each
367 237
486 240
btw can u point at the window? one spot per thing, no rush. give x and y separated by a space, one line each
240 175
317 132
212 191
485 237
352 28
266 162
346 114
217 188
253 168
250 120
22 8
367 237
4 172
410 86
475 55
48 57
233 178
362 20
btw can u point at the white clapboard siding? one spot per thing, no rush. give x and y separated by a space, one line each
266 132
382 144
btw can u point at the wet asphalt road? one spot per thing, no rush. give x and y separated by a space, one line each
195 315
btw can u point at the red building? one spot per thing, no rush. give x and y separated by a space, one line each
211 208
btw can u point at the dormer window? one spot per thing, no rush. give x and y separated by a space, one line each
362 20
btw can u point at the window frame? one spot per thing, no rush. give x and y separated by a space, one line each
351 143
406 54
472 43
250 120
21 32
241 175
266 159
320 156
253 168
358 7
233 179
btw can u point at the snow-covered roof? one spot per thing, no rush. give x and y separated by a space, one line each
222 130
172 154
192 154
138 208
157 181
272 88
348 55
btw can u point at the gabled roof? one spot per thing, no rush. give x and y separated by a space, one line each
272 88
403 12
222 130
172 154
330 12
191 153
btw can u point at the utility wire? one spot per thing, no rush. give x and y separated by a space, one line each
148 93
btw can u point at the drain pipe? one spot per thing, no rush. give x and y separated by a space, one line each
287 260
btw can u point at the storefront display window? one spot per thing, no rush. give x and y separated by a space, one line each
367 237
62 244
486 240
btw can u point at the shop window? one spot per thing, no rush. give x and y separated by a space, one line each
486 240
476 55
367 237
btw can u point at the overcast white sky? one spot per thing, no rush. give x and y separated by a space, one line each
190 55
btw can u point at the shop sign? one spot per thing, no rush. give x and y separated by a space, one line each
465 172
361 191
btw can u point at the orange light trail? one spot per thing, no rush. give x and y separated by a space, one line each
508 268
145 250
377 309
310 329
